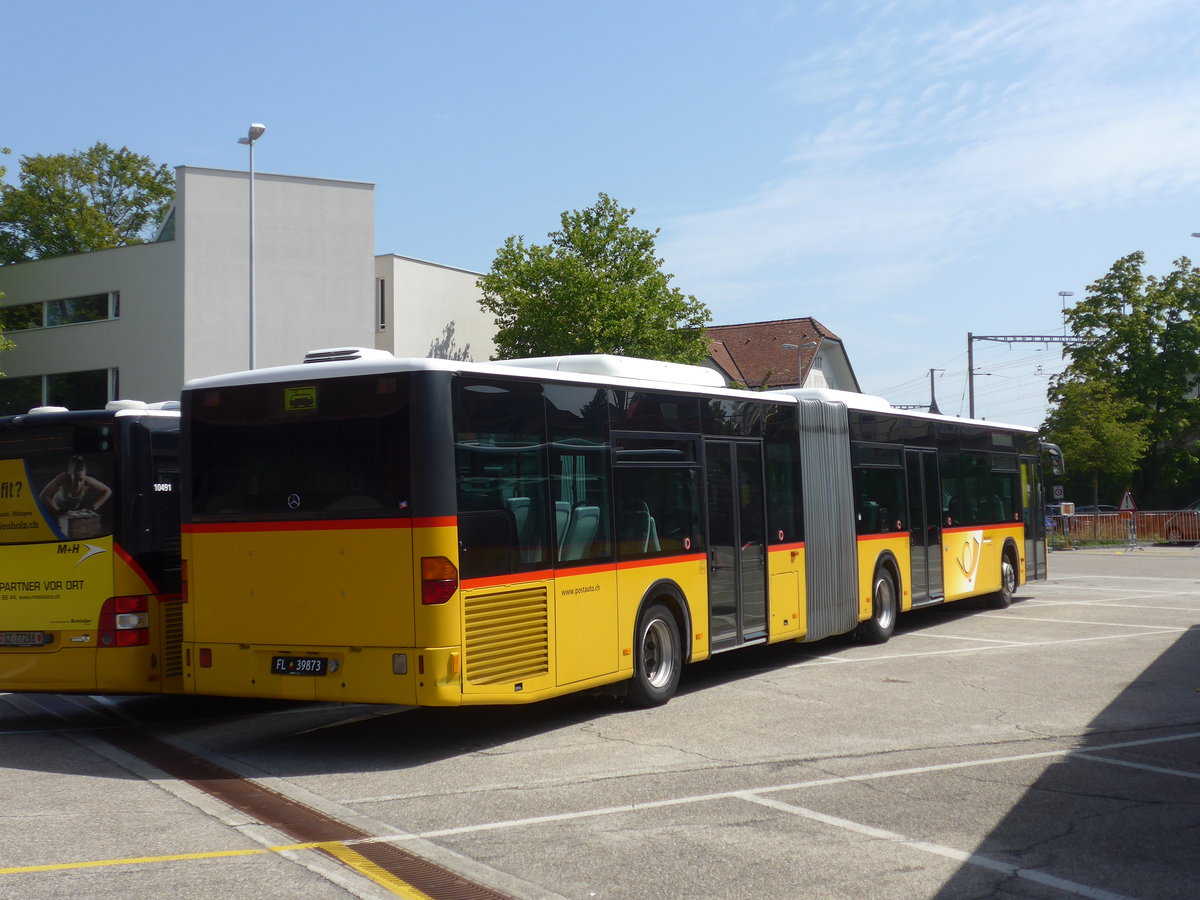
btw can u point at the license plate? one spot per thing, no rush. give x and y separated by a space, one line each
23 638
299 665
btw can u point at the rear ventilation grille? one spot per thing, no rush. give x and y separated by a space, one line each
172 614
507 636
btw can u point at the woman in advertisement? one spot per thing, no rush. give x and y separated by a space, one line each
74 491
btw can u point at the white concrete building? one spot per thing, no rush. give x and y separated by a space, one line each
139 321
430 310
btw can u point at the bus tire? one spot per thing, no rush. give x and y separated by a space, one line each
1003 598
657 657
884 606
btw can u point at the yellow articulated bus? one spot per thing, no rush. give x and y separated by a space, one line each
89 550
425 532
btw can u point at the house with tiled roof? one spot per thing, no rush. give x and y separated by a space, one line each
785 353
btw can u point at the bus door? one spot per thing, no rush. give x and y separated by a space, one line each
924 525
1032 515
737 553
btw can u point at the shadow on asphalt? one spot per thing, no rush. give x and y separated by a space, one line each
1123 822
313 738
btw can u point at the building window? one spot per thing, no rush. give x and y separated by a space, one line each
67 311
75 390
381 305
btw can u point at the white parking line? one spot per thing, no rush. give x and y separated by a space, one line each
959 856
1157 770
843 660
1055 582
959 637
1062 621
759 795
767 789
1115 604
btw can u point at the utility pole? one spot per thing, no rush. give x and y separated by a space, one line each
1006 339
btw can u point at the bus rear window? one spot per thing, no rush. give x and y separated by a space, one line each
336 448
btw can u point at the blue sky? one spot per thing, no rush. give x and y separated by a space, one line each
905 172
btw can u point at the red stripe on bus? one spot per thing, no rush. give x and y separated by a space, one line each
661 561
885 536
307 525
783 548
435 522
552 574
120 551
964 529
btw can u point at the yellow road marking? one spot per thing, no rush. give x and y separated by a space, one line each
364 866
337 849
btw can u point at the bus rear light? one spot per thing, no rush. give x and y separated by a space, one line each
123 605
135 638
439 580
124 622
205 657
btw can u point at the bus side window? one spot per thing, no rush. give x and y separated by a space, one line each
486 541
500 463
577 420
658 511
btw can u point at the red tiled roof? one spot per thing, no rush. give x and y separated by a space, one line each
719 354
757 354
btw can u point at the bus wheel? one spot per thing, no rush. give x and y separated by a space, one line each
1003 598
657 657
878 628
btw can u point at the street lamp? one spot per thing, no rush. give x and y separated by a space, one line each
800 348
1065 295
256 131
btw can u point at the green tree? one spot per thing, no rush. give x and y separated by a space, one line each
87 200
1099 433
596 287
5 343
1140 335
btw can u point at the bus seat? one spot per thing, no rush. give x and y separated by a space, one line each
519 507
581 531
522 511
868 515
562 515
635 525
652 544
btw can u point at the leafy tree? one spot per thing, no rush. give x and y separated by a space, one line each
87 200
5 343
1140 335
1099 434
597 287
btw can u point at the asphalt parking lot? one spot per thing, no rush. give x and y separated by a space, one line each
1048 750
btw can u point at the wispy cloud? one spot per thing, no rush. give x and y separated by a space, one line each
939 123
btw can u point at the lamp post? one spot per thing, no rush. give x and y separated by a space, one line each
800 348
256 131
1065 295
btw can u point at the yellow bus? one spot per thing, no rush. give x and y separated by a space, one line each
89 550
426 532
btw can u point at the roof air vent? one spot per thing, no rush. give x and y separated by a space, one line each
343 354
